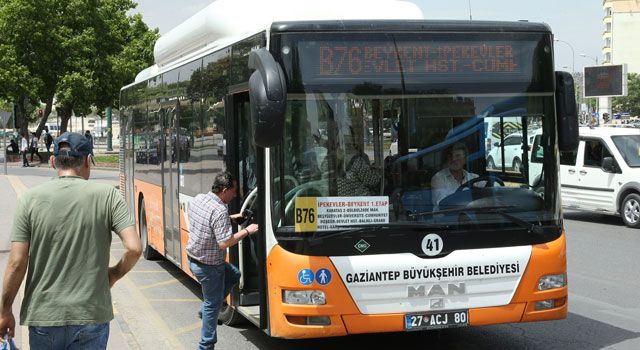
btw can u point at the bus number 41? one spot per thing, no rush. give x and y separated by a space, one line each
306 215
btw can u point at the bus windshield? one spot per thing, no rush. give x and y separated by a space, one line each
375 136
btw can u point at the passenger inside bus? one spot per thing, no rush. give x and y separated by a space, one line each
449 179
360 178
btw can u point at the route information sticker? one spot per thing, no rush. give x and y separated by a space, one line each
326 213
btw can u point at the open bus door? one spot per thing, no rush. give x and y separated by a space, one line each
242 163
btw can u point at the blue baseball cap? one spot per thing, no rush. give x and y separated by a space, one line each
80 145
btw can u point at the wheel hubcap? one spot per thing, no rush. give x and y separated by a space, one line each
632 211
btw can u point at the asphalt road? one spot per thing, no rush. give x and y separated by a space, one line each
157 304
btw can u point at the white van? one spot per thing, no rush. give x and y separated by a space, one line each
53 130
603 174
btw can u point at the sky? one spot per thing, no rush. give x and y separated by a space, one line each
577 23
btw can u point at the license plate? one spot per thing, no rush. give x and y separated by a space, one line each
436 320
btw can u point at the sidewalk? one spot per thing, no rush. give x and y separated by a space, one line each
10 187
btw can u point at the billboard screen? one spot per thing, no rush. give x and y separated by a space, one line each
608 80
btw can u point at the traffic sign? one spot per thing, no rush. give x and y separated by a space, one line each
4 118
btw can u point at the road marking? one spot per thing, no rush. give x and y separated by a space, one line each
148 271
165 283
19 188
135 306
177 300
187 329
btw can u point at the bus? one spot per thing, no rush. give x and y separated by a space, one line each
335 118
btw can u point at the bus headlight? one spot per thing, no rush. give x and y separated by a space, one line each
304 297
552 281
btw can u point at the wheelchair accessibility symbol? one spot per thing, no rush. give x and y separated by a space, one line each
305 277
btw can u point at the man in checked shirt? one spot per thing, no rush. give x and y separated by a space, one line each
209 237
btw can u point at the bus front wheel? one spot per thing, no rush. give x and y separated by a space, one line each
147 251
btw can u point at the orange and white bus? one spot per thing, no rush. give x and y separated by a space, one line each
335 118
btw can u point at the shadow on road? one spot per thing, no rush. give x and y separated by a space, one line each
593 217
575 332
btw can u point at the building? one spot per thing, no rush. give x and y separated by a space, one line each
621 34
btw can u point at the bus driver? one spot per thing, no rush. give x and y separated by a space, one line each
449 179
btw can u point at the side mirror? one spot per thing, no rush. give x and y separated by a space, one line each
566 112
609 165
497 144
268 98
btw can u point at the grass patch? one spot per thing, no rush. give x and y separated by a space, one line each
110 158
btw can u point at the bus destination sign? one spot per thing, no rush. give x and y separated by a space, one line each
417 61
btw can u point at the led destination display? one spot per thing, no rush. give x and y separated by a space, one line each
365 59
416 61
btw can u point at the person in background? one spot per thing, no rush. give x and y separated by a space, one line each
209 237
87 134
33 147
13 147
24 148
449 179
62 234
48 140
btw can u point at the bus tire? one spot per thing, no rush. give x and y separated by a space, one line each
147 251
229 315
630 210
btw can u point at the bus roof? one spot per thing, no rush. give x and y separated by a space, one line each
226 21
414 25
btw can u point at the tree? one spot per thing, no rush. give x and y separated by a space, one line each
80 53
631 102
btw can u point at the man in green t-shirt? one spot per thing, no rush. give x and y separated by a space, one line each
62 232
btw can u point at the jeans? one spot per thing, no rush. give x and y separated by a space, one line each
92 336
216 282
24 158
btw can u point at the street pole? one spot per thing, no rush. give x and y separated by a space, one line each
595 59
4 147
573 56
109 133
470 18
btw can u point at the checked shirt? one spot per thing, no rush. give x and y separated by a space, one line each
209 224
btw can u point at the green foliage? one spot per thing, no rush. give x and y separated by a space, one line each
79 51
631 102
110 158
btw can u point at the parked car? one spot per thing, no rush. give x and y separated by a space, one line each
512 145
603 174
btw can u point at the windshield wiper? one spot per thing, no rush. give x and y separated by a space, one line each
458 210
359 228
539 229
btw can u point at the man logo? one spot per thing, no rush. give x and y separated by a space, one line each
436 303
437 290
